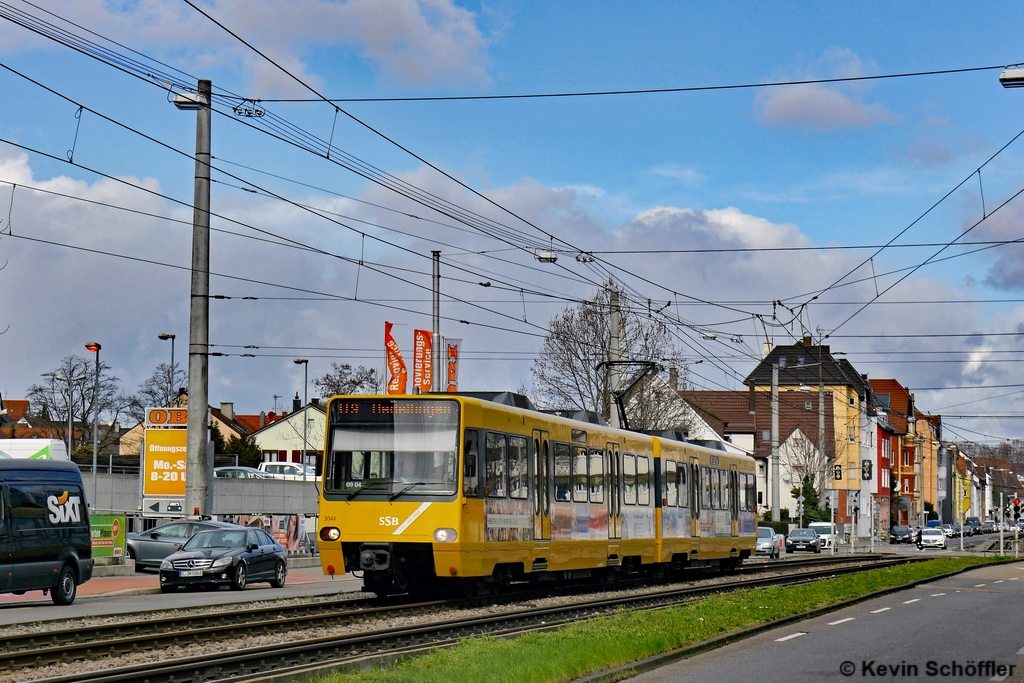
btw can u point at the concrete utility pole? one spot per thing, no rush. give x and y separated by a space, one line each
776 498
614 355
435 354
196 469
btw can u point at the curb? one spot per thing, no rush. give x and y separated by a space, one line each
659 660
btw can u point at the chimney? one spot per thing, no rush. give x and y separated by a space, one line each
807 340
673 378
315 401
296 403
263 419
228 409
766 348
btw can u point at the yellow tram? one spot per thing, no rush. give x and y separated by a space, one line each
436 491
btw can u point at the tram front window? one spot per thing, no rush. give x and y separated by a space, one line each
393 448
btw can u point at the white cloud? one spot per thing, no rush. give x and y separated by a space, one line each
687 176
414 42
821 107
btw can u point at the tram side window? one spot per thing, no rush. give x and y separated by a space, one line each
727 489
684 489
716 489
751 488
563 479
579 474
629 479
705 485
643 479
671 484
596 475
518 468
471 470
496 448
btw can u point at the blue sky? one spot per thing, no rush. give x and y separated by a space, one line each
849 164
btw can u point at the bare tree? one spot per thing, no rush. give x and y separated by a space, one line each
655 405
159 390
800 457
565 374
344 379
70 389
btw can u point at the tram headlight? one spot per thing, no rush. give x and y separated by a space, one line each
445 535
330 533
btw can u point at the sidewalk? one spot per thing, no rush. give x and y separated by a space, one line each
144 583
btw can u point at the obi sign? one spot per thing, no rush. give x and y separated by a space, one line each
163 468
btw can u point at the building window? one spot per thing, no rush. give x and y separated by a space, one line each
853 401
807 405
906 458
882 401
853 470
766 435
853 434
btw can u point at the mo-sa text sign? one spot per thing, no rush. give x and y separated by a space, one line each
166 444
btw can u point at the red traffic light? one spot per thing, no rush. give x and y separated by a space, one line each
1016 501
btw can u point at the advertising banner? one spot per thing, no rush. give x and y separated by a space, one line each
452 364
107 535
398 376
164 465
423 360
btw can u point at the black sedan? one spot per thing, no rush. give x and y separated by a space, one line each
901 534
233 557
803 539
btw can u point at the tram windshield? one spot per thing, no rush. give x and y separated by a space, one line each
393 447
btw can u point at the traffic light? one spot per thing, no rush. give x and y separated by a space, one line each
1017 509
865 470
837 472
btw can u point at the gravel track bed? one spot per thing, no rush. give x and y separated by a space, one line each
438 614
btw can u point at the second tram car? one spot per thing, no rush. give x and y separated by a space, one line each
432 492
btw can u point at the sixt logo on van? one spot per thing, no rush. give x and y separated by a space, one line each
64 509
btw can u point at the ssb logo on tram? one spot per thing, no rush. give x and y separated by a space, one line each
388 521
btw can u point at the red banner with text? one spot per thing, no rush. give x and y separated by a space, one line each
423 360
398 376
452 364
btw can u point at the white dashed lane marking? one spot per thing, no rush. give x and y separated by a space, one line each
879 611
909 602
980 585
841 621
791 636
935 595
1000 581
1013 578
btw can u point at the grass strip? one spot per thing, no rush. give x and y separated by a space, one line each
626 636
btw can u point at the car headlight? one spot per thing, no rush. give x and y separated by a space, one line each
445 535
166 564
221 562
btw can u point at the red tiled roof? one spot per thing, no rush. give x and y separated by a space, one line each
16 408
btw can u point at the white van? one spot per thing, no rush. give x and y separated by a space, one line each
825 531
33 449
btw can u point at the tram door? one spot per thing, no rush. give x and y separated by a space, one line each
541 486
696 496
614 469
734 500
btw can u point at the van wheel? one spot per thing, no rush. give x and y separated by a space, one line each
280 573
66 589
238 577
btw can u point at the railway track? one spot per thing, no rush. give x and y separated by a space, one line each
23 653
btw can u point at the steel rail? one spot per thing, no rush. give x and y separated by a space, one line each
63 644
337 650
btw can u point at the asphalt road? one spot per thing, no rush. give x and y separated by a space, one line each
975 617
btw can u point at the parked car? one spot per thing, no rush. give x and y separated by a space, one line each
45 541
768 542
988 527
803 539
149 548
957 530
947 530
826 533
932 538
901 534
234 556
239 472
289 470
972 526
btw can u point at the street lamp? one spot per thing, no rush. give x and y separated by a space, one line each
95 348
304 362
1013 77
170 394
71 414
